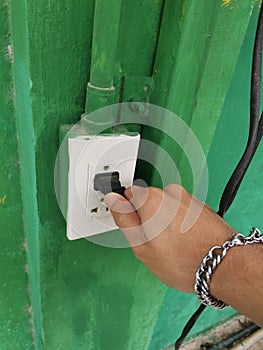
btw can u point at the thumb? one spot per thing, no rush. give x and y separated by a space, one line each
126 218
122 211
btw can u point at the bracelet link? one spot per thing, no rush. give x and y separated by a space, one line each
237 240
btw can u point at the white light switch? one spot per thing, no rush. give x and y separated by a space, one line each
87 214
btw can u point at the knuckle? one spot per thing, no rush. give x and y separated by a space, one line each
121 220
175 187
177 190
137 251
154 191
140 250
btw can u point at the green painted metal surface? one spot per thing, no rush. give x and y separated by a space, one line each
246 211
104 43
25 129
194 66
101 89
84 296
85 289
16 328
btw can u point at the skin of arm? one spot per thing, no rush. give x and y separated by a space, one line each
153 222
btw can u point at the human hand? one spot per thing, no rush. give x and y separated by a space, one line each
170 240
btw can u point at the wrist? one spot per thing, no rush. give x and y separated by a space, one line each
198 246
212 238
236 267
230 284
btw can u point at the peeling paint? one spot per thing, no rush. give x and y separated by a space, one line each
24 246
226 2
181 20
3 199
10 53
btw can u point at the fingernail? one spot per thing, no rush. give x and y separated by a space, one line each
110 199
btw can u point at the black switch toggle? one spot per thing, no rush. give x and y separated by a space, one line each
108 182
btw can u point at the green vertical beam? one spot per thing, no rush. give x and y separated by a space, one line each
26 139
104 42
197 52
15 308
219 69
60 35
101 89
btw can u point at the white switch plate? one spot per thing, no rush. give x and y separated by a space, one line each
87 214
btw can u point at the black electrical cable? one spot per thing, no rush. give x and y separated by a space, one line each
260 130
255 132
189 325
255 135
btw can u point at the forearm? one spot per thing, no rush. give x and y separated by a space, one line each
238 281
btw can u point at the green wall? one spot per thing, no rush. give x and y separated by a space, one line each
15 309
77 295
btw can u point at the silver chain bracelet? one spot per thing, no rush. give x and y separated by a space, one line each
213 259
